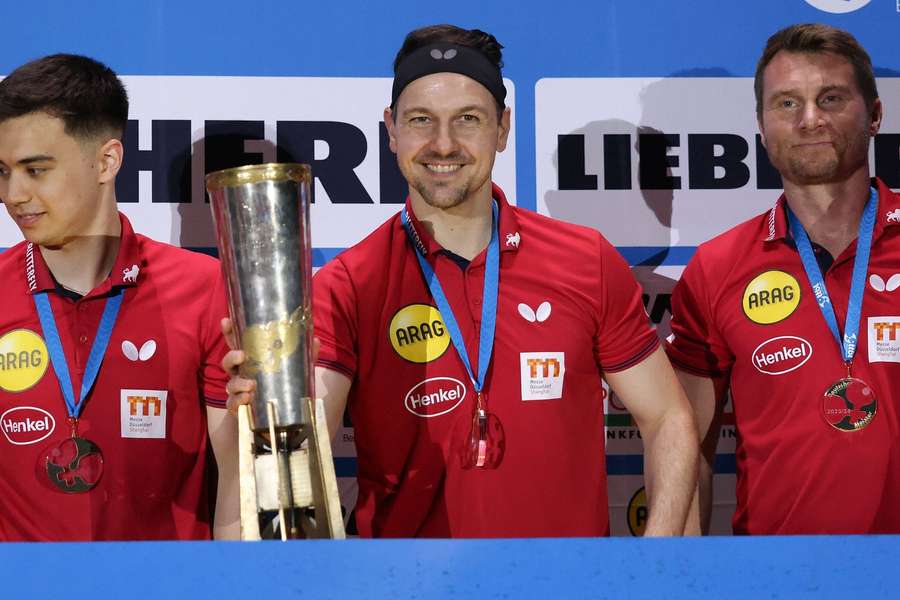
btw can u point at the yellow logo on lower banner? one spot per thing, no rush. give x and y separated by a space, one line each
418 334
638 513
771 297
23 360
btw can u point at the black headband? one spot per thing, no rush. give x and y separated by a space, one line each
448 58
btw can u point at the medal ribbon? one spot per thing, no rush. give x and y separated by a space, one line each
58 356
858 280
488 305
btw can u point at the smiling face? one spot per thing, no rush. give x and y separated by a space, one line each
446 133
815 123
52 183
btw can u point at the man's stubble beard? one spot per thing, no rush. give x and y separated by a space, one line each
455 197
827 169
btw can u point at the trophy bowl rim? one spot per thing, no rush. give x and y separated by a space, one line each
248 174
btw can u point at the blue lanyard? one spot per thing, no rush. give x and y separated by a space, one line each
857 282
488 306
58 356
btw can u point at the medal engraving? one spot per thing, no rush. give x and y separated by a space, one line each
74 466
849 404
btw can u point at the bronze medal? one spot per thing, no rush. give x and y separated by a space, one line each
849 404
74 466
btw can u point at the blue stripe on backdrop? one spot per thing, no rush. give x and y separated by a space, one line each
635 255
616 464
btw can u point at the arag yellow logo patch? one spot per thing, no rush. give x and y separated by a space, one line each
23 360
771 297
418 334
638 513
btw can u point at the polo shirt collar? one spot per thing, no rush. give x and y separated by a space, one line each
125 271
888 214
508 228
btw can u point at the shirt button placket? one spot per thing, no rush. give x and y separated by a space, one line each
474 290
80 318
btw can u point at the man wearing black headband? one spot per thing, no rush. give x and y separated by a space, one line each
468 337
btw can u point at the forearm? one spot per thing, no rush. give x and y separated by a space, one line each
670 471
705 494
223 438
227 522
707 399
692 524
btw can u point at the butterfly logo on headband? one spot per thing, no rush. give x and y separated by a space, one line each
445 55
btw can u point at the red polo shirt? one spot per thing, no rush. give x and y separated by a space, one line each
146 411
744 309
568 309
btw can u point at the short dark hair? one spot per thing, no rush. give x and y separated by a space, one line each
815 38
86 94
483 42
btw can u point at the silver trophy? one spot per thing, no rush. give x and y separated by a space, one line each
261 214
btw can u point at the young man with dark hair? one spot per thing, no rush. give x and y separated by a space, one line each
802 327
469 337
110 388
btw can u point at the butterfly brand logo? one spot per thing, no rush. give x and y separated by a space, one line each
540 315
879 285
148 349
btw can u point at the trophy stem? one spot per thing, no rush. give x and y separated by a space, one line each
247 467
304 496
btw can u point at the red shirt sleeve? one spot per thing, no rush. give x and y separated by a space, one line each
335 318
696 346
214 346
625 336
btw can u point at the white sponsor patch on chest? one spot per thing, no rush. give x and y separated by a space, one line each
542 375
23 425
884 339
143 413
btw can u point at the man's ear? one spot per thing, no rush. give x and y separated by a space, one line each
877 115
503 134
391 129
109 159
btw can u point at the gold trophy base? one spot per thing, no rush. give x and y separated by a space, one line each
312 481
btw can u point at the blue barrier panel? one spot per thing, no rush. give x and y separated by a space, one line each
764 567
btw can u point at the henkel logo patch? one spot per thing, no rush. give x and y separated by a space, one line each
143 413
838 6
884 339
435 396
23 360
542 375
418 334
25 425
781 355
771 297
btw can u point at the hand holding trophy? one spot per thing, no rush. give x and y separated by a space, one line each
261 214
